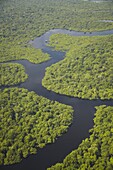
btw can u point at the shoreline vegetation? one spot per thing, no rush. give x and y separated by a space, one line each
86 71
23 53
29 122
95 152
12 74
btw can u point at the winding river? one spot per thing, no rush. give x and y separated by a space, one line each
83 109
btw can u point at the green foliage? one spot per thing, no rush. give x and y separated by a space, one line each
12 73
29 122
87 70
15 52
95 153
22 21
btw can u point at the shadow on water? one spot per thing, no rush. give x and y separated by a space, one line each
83 109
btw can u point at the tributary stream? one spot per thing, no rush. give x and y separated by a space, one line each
83 109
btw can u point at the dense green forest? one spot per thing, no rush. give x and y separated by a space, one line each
15 52
96 152
22 21
12 73
29 122
87 70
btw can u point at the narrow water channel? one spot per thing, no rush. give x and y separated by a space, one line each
83 109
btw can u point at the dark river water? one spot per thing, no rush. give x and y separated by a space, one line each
83 109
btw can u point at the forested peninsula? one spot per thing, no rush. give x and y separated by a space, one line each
12 73
29 122
95 152
87 70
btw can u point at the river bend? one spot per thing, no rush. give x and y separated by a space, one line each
83 109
